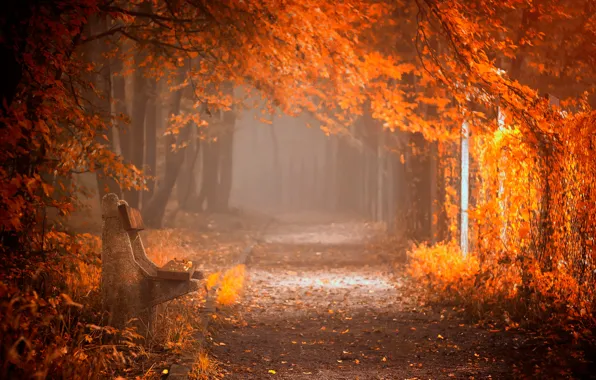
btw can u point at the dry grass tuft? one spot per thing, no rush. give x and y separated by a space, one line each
178 323
205 367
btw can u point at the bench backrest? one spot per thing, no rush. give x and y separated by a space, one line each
131 218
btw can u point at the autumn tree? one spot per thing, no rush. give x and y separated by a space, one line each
236 44
531 233
55 107
367 67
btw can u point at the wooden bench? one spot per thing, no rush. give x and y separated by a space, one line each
132 285
177 270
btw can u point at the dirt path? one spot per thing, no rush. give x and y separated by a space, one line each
317 311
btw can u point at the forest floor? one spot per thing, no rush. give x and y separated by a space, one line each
321 303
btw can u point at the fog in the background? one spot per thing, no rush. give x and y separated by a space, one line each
280 167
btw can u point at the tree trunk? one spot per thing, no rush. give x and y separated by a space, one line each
343 175
210 183
139 107
419 180
101 105
151 140
156 208
277 175
10 52
185 181
191 191
186 184
380 160
119 86
154 213
225 166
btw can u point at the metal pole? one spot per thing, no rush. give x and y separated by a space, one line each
465 183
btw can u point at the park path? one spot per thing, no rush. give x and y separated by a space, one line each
319 304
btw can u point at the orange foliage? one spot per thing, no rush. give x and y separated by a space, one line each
212 280
533 180
231 285
532 230
537 217
534 216
444 268
58 334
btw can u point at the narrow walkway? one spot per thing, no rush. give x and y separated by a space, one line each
334 311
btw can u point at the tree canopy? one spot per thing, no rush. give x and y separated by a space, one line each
414 66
